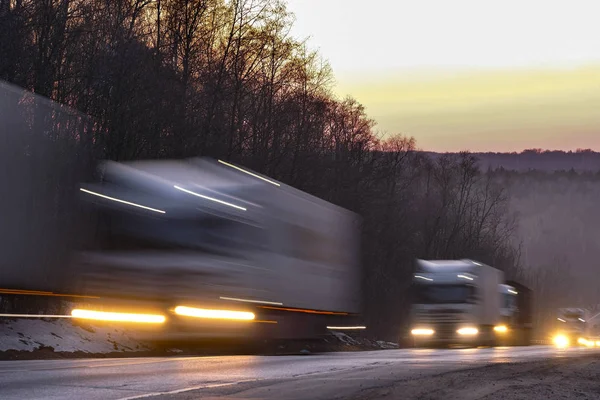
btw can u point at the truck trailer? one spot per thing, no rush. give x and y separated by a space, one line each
465 302
217 249
180 248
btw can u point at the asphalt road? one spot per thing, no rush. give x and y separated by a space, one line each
321 376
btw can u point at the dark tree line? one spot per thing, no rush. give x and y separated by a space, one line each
183 78
542 160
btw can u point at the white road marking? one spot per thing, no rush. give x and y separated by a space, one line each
188 389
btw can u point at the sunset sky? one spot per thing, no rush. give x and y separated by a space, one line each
484 75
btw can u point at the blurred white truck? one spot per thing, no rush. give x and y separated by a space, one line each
182 247
218 250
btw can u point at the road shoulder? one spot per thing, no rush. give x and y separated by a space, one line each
564 378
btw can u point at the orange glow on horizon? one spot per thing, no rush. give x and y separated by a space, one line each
495 110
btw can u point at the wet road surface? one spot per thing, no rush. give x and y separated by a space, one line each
319 376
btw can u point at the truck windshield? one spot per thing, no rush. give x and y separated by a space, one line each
574 316
442 294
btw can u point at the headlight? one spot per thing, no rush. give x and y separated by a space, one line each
585 342
500 328
214 314
467 331
117 316
422 332
561 340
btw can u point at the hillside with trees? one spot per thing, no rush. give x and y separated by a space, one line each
558 233
553 199
187 78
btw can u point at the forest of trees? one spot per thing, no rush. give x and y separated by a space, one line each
580 160
223 78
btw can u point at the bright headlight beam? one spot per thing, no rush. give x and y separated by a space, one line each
585 342
117 316
468 331
464 277
214 314
500 328
422 277
422 332
209 198
122 201
249 173
561 341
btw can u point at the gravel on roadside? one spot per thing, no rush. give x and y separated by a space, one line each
565 378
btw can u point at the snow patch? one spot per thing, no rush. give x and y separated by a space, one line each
362 342
387 345
345 339
63 336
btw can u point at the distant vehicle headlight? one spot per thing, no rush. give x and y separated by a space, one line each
561 341
585 342
501 328
422 332
469 331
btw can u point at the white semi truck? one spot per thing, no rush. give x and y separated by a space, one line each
214 249
182 248
464 302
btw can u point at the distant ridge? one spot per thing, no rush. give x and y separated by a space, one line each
537 159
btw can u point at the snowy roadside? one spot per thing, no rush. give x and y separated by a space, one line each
37 338
61 336
564 378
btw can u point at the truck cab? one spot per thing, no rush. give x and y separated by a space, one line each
456 302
